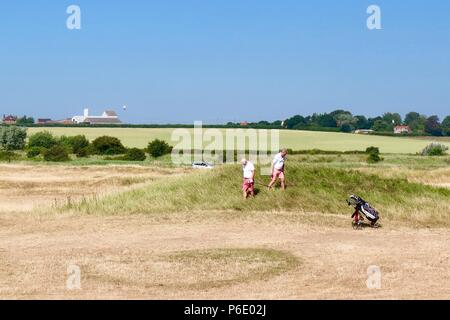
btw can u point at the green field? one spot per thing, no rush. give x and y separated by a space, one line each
297 140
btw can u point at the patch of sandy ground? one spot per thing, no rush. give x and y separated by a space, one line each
332 261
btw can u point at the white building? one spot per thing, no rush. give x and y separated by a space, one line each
108 117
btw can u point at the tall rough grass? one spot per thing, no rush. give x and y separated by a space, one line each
310 189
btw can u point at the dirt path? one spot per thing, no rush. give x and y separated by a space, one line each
120 257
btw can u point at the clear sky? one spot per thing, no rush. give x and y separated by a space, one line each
218 61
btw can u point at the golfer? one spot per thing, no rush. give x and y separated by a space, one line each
277 169
249 178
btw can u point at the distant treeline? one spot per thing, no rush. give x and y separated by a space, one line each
336 121
345 121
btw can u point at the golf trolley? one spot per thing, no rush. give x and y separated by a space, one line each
362 210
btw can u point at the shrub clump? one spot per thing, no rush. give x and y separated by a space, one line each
57 153
75 143
34 152
374 155
373 150
42 139
158 148
7 155
83 152
134 154
12 138
434 149
108 146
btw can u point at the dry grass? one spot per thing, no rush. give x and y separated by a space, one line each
248 251
24 188
136 257
439 177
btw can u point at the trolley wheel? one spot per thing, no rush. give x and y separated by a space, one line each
357 225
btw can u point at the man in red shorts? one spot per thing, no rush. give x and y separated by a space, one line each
277 169
249 178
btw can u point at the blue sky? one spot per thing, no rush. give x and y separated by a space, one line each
218 61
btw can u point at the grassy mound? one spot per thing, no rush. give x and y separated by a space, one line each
310 189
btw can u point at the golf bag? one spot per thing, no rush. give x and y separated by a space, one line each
362 208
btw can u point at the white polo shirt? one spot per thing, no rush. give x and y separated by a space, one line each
278 162
248 169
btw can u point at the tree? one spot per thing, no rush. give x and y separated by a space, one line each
339 112
415 121
277 123
326 120
382 126
419 124
372 121
12 138
446 126
106 145
75 143
362 122
341 117
25 120
294 121
346 127
411 118
433 126
42 139
158 148
392 118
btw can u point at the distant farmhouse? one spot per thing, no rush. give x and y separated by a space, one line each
108 117
9 119
50 121
402 129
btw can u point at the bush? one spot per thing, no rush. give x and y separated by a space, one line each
134 154
8 156
374 158
374 155
370 150
75 143
42 140
435 149
83 153
12 138
158 148
34 152
57 153
108 146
